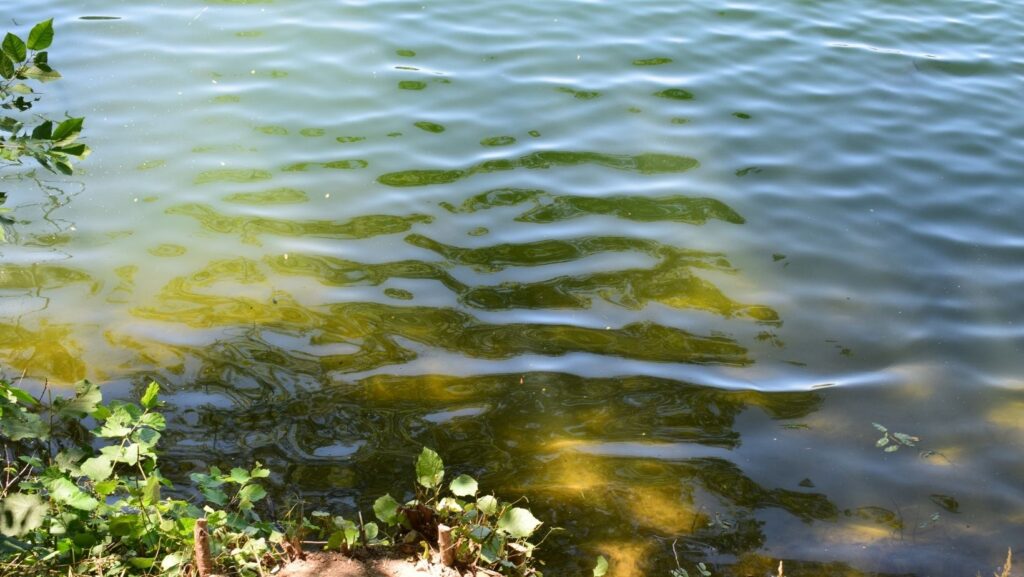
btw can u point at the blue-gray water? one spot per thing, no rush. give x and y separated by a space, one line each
658 266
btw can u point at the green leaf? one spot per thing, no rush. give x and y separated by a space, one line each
602 566
464 486
151 491
63 490
41 35
429 469
98 468
44 131
14 47
170 561
21 513
880 427
17 425
104 488
149 398
487 504
6 67
16 394
518 522
386 509
67 129
142 562
64 167
335 540
87 397
882 442
491 550
40 72
892 448
479 532
78 150
239 475
249 495
371 531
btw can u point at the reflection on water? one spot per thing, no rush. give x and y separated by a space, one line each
551 208
545 159
250 228
298 379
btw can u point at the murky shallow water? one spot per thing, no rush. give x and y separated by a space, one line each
656 266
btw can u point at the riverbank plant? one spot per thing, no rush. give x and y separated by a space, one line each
53 144
81 493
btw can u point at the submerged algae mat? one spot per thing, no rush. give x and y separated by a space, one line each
656 267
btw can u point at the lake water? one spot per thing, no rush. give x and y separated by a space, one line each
657 266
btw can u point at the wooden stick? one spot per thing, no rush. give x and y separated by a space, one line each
444 543
204 562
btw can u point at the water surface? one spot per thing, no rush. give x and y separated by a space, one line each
656 266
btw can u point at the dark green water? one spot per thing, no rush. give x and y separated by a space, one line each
657 266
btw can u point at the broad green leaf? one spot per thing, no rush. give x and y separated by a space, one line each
170 561
239 475
882 442
128 454
449 504
21 513
21 89
518 522
464 486
41 72
6 67
62 490
118 424
87 397
153 421
429 469
146 438
41 35
371 531
151 491
487 504
17 425
335 540
602 566
892 448
250 494
491 550
386 509
67 129
259 472
879 427
479 532
13 393
14 47
149 398
68 461
142 562
104 488
77 150
98 468
43 131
